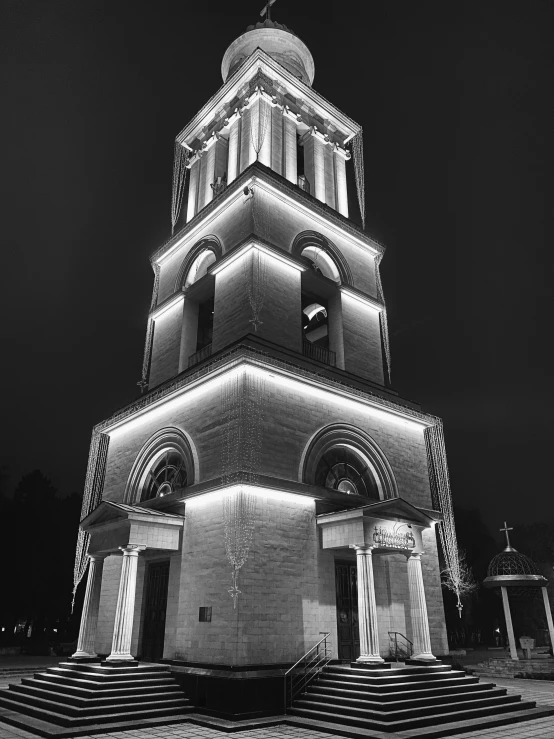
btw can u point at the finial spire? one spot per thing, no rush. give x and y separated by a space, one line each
267 10
505 530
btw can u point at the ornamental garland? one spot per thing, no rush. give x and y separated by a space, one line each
92 496
358 152
255 276
242 408
442 501
143 382
258 132
383 316
180 161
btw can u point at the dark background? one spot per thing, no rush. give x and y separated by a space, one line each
456 103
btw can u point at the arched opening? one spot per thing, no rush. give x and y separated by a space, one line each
347 460
163 466
199 267
321 262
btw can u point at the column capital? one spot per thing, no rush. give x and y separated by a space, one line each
363 548
415 554
132 550
97 557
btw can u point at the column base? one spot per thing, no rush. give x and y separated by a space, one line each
369 660
423 657
121 658
85 655
120 662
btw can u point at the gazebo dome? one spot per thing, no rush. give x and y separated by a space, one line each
511 562
516 571
279 42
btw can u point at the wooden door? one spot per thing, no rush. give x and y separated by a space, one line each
346 579
155 605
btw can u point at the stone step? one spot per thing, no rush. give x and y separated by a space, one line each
462 716
445 729
386 697
395 686
390 677
104 685
108 675
403 701
97 668
62 719
389 672
75 704
105 692
41 727
396 713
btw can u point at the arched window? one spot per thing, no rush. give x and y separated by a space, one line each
344 469
167 474
199 258
321 262
164 465
199 266
347 460
324 257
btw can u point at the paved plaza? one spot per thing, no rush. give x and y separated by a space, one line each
541 691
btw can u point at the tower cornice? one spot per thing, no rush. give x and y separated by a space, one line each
260 62
258 174
244 354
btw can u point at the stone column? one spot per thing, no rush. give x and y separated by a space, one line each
509 627
548 615
89 617
125 609
367 608
418 610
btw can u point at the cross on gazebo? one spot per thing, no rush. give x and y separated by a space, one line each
506 529
267 10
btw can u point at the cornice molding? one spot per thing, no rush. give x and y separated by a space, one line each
258 171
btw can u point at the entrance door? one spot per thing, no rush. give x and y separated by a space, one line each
346 579
155 605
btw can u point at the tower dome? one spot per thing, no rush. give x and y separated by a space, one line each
276 40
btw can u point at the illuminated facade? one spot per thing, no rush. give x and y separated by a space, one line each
269 485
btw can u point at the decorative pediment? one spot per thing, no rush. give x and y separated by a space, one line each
115 525
108 511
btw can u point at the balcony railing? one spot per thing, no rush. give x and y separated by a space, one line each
319 353
200 355
303 183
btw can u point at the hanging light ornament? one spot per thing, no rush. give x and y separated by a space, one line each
241 400
358 152
180 161
442 500
259 122
91 498
383 316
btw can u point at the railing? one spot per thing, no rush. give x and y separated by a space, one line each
306 669
200 355
401 648
319 353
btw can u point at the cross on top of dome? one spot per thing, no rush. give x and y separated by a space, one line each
509 547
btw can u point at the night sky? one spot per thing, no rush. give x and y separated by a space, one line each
456 103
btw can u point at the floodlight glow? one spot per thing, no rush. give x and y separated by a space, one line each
226 262
363 299
167 305
205 499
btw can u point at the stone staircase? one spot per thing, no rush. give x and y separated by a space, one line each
433 699
76 699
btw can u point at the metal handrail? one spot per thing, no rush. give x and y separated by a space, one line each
409 647
299 676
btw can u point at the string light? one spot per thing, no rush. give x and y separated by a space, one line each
442 501
92 496
260 115
383 316
358 152
242 407
180 161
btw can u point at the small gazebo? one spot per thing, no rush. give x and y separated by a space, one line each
517 574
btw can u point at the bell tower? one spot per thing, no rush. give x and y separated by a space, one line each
268 466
